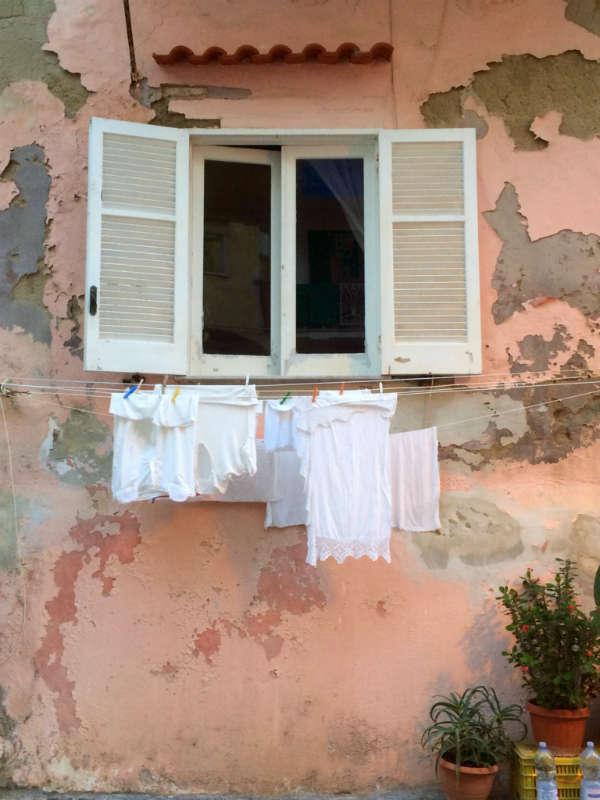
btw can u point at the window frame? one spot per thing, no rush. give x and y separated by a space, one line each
382 353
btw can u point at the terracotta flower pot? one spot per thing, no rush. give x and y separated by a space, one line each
474 783
562 729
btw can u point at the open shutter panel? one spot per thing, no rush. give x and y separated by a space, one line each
430 281
137 260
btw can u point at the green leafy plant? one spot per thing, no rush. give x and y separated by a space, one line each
472 729
557 646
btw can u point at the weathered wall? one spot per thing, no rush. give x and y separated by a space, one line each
169 648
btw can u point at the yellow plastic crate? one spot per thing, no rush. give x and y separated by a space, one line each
567 774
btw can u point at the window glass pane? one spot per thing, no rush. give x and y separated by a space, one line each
330 285
237 258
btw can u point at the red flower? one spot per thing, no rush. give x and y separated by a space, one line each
571 608
525 628
524 669
589 652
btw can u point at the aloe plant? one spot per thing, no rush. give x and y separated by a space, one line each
472 729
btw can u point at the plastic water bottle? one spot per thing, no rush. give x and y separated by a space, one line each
545 773
589 762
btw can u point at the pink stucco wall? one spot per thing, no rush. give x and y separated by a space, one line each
161 647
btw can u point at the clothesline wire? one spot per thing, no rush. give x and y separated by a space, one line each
464 421
275 384
76 392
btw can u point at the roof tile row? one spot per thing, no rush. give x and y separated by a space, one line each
348 51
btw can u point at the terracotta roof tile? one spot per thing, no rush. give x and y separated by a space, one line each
348 51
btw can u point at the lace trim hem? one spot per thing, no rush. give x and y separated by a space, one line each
321 548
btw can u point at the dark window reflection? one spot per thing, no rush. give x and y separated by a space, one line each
330 287
237 258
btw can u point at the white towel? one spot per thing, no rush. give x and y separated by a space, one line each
415 480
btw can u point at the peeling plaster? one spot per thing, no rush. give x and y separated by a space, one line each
565 265
286 585
537 352
80 450
159 98
95 540
22 233
474 530
23 31
585 13
522 87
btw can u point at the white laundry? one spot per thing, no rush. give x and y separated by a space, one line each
258 488
280 422
153 451
289 507
281 417
182 445
343 448
415 480
225 435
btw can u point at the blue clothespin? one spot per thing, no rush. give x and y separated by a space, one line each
132 389
284 398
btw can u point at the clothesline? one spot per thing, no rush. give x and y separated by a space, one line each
275 385
274 391
464 421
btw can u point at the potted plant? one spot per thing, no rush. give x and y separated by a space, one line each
469 732
557 652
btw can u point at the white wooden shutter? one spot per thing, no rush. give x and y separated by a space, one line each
136 317
430 273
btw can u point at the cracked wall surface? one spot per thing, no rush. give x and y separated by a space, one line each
563 266
182 648
23 26
522 87
23 271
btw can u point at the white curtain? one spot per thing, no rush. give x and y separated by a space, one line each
345 182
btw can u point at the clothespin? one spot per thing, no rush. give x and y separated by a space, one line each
164 383
284 398
342 388
132 389
380 387
315 393
247 379
175 393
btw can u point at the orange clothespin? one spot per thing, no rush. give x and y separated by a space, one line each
175 393
342 388
315 393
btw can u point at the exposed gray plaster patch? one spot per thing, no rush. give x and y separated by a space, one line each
537 352
585 543
474 530
158 99
585 13
22 234
565 265
80 451
22 33
522 87
445 110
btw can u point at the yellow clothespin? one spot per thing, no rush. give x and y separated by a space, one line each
315 393
342 388
175 393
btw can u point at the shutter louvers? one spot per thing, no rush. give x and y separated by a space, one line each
137 248
429 248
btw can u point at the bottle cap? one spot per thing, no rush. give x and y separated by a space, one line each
589 744
542 745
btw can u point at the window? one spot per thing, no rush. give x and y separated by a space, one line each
221 253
